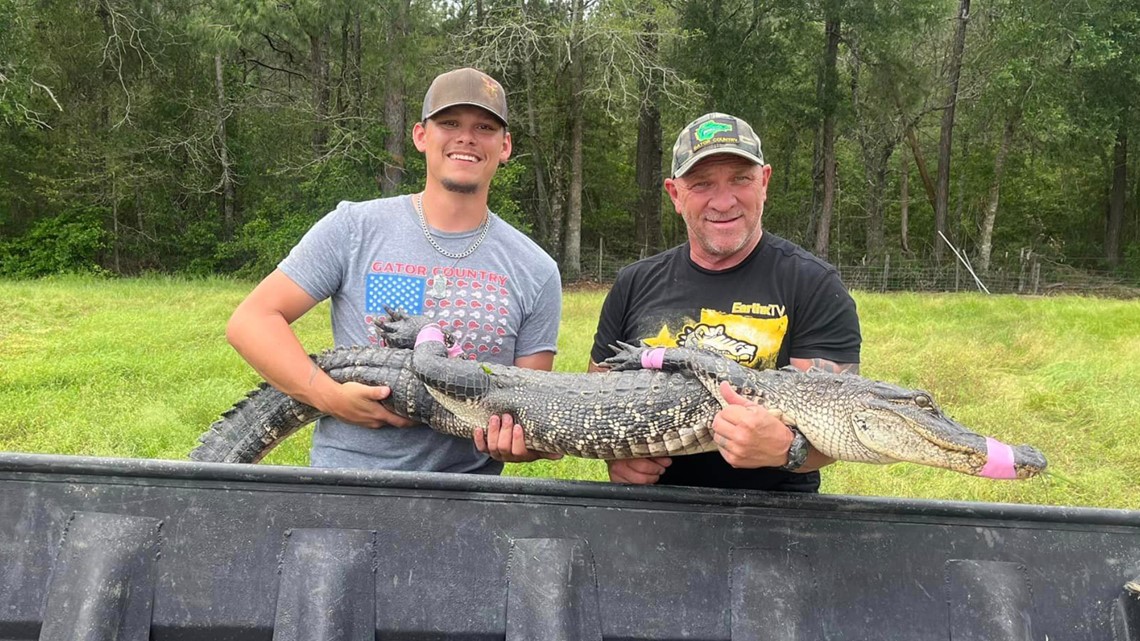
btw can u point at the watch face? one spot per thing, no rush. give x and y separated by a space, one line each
797 451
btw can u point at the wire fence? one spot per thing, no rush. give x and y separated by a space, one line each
1027 274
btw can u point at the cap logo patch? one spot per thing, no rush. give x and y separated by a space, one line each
710 129
489 87
714 132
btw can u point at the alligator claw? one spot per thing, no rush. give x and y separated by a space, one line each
391 327
626 357
623 346
399 330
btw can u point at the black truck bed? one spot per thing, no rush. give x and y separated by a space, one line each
94 549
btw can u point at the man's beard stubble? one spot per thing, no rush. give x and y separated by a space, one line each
459 188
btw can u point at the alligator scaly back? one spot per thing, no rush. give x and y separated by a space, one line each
662 402
848 417
266 416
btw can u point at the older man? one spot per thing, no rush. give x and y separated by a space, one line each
739 290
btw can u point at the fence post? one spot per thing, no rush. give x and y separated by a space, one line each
1036 275
601 248
886 272
1020 277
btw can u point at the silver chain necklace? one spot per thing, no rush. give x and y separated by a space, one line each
419 202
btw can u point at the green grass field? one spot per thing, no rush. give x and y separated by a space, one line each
139 368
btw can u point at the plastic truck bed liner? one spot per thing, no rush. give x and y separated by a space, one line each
133 550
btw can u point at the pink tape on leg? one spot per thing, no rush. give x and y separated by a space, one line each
455 350
430 334
653 359
999 461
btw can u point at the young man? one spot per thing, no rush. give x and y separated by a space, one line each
441 253
737 289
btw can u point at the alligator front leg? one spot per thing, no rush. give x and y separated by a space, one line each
629 357
706 366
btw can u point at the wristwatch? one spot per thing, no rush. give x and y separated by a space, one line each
797 451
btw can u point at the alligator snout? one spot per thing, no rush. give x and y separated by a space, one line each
1011 462
1028 461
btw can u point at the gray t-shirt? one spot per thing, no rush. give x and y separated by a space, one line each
503 301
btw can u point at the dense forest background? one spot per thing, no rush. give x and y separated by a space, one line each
206 137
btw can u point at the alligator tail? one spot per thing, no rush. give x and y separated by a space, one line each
253 427
249 430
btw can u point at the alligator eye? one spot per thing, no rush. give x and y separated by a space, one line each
923 401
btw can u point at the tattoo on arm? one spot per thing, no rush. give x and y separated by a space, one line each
313 374
827 366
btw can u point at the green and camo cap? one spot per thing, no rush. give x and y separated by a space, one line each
465 86
714 133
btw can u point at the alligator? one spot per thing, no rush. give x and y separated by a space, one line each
651 402
255 425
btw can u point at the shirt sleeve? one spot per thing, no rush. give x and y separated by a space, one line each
538 331
827 326
317 262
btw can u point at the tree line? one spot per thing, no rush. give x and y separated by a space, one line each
206 137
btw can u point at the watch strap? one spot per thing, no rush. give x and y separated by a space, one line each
797 451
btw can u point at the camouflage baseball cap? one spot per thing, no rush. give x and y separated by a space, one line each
465 86
714 133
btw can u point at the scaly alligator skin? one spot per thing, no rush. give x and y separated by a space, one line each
266 416
632 411
255 425
653 403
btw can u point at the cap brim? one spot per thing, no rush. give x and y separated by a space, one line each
468 104
701 155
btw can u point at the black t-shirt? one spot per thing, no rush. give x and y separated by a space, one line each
780 302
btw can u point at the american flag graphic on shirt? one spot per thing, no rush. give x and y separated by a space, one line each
396 291
476 306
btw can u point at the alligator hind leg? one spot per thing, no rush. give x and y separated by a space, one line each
399 330
455 378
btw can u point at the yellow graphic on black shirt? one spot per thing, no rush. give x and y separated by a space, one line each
752 342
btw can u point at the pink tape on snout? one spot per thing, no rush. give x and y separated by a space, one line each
999 461
653 359
430 334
